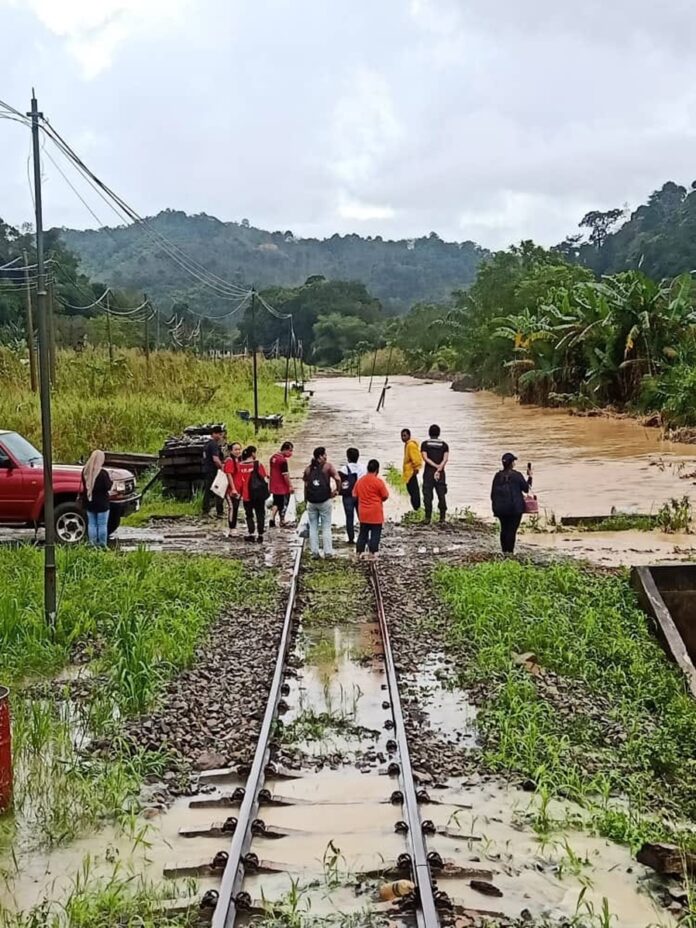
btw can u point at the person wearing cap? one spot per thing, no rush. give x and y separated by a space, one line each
507 496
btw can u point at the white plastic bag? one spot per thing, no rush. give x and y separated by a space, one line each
220 485
291 511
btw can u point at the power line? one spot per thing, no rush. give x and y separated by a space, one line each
185 261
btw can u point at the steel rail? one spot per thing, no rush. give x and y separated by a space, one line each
226 908
426 913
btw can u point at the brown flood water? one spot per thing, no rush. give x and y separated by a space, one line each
582 466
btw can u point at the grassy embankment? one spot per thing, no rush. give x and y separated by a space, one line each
607 722
135 619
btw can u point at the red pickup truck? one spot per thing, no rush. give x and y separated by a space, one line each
22 493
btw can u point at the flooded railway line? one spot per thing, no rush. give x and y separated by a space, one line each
332 820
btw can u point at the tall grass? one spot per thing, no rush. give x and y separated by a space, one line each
131 405
133 606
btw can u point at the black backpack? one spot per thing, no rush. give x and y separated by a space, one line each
348 481
318 487
258 488
504 494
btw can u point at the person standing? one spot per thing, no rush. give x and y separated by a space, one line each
254 493
350 473
319 497
236 484
413 461
281 487
212 463
507 497
371 493
97 484
435 454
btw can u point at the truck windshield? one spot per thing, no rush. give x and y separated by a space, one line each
21 450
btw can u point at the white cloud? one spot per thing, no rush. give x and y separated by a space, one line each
365 127
93 30
362 212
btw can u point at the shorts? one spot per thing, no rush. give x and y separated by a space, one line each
280 501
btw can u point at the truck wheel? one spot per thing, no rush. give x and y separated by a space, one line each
71 524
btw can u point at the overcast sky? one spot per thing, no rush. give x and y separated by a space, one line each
492 121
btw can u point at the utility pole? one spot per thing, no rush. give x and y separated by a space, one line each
147 334
30 329
51 330
45 383
157 337
108 327
287 363
254 361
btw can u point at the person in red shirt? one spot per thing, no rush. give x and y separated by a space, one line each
234 492
254 493
281 487
371 493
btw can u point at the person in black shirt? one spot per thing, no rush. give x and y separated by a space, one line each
507 496
212 463
435 454
97 483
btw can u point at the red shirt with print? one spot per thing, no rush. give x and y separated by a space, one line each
246 469
231 466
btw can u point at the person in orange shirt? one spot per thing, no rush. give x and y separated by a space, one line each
371 492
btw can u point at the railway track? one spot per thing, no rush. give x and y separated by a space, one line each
388 799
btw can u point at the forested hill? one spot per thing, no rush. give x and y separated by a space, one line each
659 237
398 273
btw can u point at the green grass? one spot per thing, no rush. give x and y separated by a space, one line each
129 406
673 516
586 628
137 618
394 478
141 613
621 522
125 900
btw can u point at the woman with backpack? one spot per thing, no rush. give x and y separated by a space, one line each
350 473
319 498
254 493
508 498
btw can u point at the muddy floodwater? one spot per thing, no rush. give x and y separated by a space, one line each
582 466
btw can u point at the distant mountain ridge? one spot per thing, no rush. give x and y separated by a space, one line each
398 273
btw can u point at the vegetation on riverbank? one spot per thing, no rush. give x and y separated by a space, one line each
134 404
134 621
575 693
548 330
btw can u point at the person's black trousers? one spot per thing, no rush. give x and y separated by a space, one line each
430 487
208 495
370 536
255 511
350 504
233 510
508 532
413 488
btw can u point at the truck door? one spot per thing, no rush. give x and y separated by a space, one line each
13 505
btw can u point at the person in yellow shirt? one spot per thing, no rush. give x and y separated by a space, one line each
413 461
